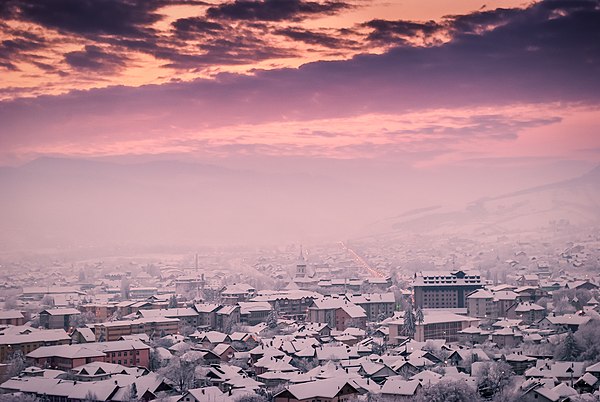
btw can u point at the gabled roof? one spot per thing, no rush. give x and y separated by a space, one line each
10 315
61 311
222 348
206 307
328 388
400 387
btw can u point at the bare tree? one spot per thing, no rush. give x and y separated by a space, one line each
448 391
16 363
493 378
180 372
18 398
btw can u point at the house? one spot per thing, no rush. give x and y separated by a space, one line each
529 312
58 318
375 305
337 312
227 316
507 337
530 293
520 362
587 383
563 323
207 315
405 369
378 372
206 394
332 389
11 317
503 300
290 303
61 390
473 335
252 313
480 304
463 358
210 339
83 335
540 393
224 351
238 292
398 389
98 371
102 312
587 285
528 280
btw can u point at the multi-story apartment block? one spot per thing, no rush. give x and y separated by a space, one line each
444 289
376 305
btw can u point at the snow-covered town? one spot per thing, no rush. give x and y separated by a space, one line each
299 200
340 322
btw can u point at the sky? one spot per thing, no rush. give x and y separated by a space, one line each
457 90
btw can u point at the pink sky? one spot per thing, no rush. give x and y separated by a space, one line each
428 84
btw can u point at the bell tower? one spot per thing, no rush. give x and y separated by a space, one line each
301 265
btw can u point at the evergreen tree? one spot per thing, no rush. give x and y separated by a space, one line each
568 350
419 315
409 327
173 302
272 319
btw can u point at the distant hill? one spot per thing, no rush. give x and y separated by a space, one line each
576 201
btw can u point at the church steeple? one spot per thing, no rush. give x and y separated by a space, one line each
301 265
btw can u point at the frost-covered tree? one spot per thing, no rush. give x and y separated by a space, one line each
173 302
251 398
47 301
448 391
81 320
493 378
180 372
18 398
16 363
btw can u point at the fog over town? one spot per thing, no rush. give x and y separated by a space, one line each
299 201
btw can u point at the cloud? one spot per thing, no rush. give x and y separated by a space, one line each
274 10
20 47
94 58
385 31
193 27
315 38
543 55
92 17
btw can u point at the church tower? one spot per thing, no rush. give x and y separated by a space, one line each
301 265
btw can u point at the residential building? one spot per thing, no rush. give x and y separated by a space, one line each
337 312
11 317
444 289
436 325
28 339
113 330
58 318
376 305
